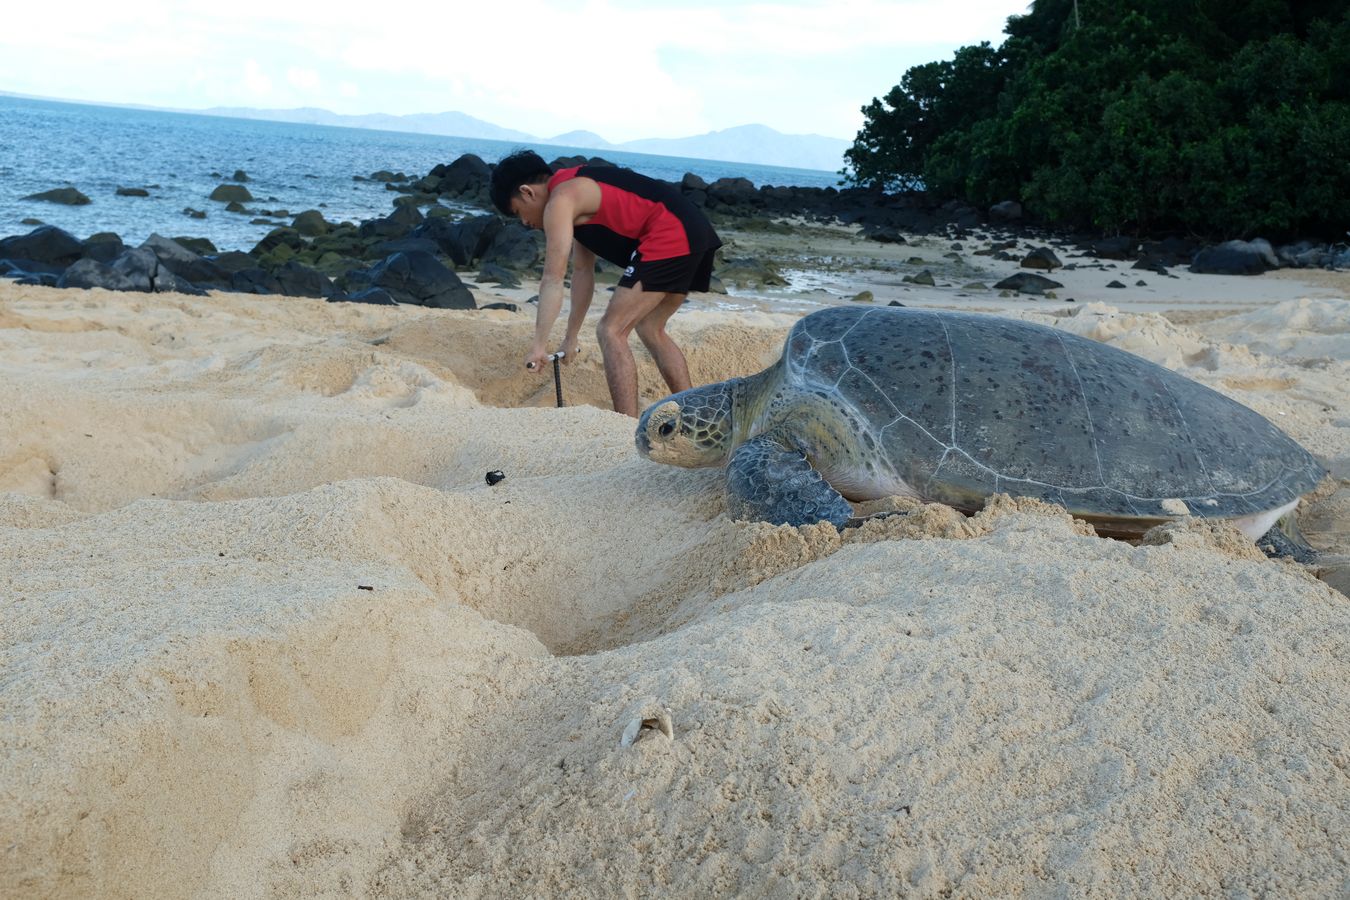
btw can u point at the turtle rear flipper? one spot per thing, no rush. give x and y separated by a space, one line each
769 481
1285 541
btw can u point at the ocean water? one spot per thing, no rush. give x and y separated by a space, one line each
46 144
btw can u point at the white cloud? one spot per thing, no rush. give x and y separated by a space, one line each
256 82
540 65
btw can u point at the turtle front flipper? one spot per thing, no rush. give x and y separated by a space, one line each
770 481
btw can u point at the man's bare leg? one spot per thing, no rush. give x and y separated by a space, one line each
669 358
626 308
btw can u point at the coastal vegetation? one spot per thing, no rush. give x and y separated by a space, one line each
1216 117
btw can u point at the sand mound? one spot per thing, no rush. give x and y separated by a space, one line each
268 632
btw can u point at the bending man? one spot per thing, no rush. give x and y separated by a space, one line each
664 242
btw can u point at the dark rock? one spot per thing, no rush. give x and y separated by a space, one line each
514 247
1041 258
42 279
375 296
254 281
496 274
732 192
298 280
227 192
310 223
1007 211
691 182
1027 283
29 220
235 206
468 175
132 192
187 265
278 237
403 245
1236 258
199 245
239 175
415 278
884 234
1304 255
1120 247
103 247
895 303
1114 284
66 195
509 307
134 270
234 261
46 243
194 213
924 278
463 241
386 176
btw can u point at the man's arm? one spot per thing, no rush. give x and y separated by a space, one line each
583 291
558 216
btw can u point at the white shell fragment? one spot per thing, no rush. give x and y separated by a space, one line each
1175 507
649 718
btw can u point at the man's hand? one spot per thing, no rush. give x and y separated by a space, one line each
570 350
536 358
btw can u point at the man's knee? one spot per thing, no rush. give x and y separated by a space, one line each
610 333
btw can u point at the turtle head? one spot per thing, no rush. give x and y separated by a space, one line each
692 428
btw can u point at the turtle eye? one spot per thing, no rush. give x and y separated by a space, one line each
667 428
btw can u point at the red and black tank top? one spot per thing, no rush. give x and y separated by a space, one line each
639 214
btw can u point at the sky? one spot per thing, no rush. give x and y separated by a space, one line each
624 70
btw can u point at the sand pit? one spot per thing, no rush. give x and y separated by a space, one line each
267 632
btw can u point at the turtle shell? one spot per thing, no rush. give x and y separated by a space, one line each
962 405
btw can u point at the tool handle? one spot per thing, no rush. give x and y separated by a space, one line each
554 357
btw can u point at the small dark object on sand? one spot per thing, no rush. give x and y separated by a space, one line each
495 476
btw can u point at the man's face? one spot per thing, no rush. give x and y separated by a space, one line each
528 205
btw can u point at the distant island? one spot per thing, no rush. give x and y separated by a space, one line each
758 144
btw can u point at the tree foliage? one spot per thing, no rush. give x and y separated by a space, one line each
1223 118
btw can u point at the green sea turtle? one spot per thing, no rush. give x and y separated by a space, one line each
953 407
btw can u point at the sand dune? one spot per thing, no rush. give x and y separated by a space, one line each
268 632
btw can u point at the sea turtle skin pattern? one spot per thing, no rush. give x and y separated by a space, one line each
953 407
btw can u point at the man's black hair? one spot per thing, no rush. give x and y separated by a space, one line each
521 167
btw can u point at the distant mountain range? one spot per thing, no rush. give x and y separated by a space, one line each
757 144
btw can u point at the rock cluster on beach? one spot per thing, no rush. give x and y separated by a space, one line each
414 254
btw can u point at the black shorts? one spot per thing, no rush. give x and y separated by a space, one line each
677 275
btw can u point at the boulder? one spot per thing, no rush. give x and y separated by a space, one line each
278 237
103 247
298 280
68 196
1027 283
1236 258
415 278
466 175
134 270
239 175
514 247
226 193
1119 247
884 234
509 307
491 273
194 213
1007 211
732 192
310 223
1041 258
463 241
691 182
187 265
385 249
254 281
199 245
386 176
132 192
46 243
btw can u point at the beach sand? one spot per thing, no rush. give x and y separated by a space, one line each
267 632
